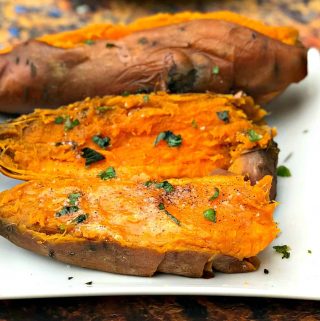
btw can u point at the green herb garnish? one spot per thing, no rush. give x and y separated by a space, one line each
126 93
73 198
210 215
70 124
215 194
173 218
103 109
215 70
283 249
224 116
171 139
109 173
146 98
89 42
143 41
309 251
80 218
283 171
194 124
91 156
253 135
149 183
59 120
67 210
102 142
165 185
110 45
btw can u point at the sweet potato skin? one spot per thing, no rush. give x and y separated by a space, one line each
175 58
126 233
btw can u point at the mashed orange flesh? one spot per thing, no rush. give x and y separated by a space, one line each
36 146
128 213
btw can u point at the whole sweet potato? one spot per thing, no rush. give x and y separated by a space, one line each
133 228
188 55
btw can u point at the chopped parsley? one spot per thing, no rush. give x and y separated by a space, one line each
165 185
283 171
73 198
143 41
91 156
283 249
89 42
171 139
223 115
194 124
148 183
215 194
173 218
309 252
70 124
215 70
126 93
102 142
80 218
254 136
67 210
103 109
59 120
110 45
146 98
109 173
210 215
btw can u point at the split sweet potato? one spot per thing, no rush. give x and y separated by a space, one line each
221 53
154 136
192 228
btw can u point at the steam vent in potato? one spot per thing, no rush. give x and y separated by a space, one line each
220 52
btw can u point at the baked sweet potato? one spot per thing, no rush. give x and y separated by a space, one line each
154 136
125 227
219 52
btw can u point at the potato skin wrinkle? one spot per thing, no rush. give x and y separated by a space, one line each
188 54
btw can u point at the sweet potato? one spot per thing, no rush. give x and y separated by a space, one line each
154 136
130 228
191 53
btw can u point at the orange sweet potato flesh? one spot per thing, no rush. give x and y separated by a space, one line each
125 229
221 53
35 146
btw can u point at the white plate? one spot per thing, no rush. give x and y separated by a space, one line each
27 275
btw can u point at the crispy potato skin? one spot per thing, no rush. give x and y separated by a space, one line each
175 58
114 258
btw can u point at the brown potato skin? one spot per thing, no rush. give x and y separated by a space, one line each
175 58
112 257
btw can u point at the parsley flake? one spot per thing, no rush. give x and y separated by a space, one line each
173 218
102 142
254 136
91 156
67 210
59 120
283 249
210 215
194 124
171 139
223 115
215 70
146 98
109 173
89 42
70 124
103 109
80 218
73 198
283 171
215 194
166 186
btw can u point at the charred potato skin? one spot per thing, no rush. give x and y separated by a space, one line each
114 258
176 58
